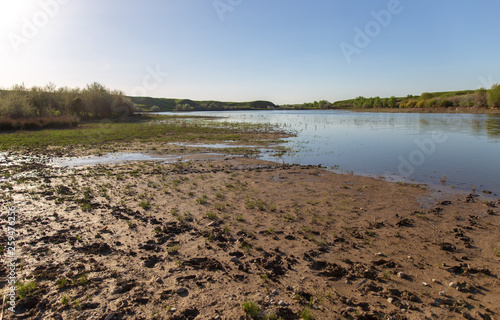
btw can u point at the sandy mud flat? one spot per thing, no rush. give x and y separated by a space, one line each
238 238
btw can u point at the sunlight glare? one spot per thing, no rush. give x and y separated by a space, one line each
13 11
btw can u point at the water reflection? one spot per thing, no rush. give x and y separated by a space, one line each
378 143
492 125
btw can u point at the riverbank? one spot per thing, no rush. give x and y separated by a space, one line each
235 237
427 110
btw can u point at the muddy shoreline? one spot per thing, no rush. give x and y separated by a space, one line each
214 238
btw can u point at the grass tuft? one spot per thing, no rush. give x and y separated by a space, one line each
251 309
26 288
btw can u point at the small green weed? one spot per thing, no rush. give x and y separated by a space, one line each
26 288
251 309
145 204
306 314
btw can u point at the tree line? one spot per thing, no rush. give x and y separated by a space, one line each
93 101
480 99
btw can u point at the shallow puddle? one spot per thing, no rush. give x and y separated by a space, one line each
214 145
116 158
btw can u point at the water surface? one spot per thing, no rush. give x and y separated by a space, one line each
461 151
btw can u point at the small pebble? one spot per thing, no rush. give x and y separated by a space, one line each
390 300
110 316
282 303
181 290
425 284
173 309
274 292
453 284
401 275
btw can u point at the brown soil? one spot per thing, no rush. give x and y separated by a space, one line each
197 240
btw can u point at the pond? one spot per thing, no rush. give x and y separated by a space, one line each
460 151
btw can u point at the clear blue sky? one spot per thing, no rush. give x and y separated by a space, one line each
286 51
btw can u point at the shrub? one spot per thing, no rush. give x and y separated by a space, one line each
392 103
6 124
494 96
411 104
427 95
481 98
445 103
431 103
95 101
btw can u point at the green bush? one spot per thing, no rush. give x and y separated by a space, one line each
412 103
427 96
494 96
431 103
445 103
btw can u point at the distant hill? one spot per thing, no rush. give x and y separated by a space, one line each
165 104
463 100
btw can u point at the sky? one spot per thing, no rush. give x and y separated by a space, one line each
285 51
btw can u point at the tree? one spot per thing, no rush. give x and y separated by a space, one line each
155 109
481 98
359 101
494 96
324 104
392 102
368 103
385 103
